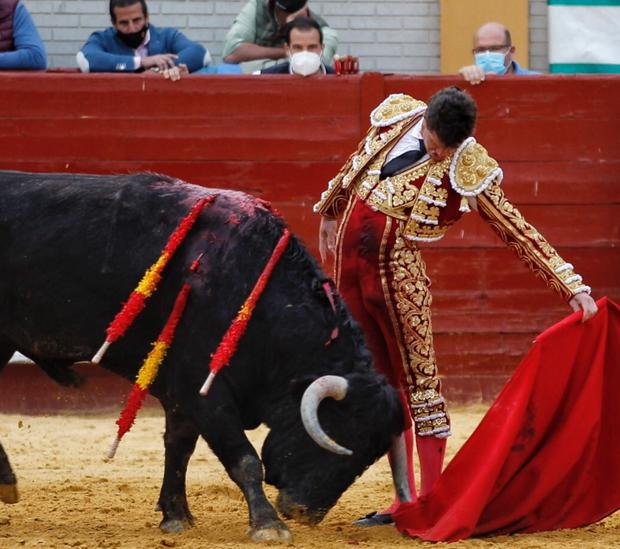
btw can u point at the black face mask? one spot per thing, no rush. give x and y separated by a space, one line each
133 39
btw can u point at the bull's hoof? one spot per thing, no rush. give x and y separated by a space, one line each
274 531
8 493
174 526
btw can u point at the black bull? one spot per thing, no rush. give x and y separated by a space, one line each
72 248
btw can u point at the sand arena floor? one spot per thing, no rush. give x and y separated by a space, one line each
71 498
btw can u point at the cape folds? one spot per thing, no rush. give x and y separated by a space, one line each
547 453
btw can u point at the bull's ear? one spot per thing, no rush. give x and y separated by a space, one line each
300 384
324 285
326 291
317 285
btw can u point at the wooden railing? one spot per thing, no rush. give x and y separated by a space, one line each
283 138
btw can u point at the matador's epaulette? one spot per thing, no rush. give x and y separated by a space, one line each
472 170
395 108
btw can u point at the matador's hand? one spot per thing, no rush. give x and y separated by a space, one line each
327 237
583 302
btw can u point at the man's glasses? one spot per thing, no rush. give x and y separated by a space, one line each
490 48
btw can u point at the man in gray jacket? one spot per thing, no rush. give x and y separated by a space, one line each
257 33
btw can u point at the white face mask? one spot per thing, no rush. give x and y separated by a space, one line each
305 63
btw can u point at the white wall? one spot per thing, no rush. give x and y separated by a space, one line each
388 35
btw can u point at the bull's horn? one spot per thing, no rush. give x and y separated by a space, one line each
400 470
325 386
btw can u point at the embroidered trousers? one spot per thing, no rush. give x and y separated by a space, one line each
383 280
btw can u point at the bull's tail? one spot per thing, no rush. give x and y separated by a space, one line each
61 372
7 350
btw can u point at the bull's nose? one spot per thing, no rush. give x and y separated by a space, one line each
285 504
289 508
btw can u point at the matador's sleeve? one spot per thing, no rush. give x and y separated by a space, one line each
334 199
528 243
474 173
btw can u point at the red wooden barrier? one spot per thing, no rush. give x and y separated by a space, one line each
282 138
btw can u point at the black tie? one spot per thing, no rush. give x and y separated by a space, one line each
403 161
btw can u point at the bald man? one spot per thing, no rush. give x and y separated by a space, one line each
493 52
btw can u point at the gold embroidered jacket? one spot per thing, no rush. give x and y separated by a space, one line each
429 197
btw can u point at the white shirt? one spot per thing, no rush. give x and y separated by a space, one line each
408 142
142 50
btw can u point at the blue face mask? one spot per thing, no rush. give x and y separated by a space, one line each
491 62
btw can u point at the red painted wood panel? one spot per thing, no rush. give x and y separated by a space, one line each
26 389
557 183
527 97
524 182
281 138
161 139
544 139
145 96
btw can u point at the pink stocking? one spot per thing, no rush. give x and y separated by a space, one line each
431 451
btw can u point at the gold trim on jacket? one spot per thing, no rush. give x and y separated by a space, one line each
399 111
472 175
528 243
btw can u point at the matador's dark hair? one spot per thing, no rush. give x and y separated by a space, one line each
303 24
451 114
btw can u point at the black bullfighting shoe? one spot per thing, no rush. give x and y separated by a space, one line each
375 519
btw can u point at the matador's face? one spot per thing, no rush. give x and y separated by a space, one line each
434 146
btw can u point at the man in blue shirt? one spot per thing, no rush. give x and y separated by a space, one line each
134 45
21 47
493 52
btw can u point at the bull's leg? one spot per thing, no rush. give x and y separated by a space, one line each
8 482
179 441
225 435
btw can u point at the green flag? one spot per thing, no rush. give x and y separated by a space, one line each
584 36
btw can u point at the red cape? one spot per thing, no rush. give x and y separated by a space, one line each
547 453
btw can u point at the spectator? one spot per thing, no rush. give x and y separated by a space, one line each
493 52
134 45
21 47
304 49
257 32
